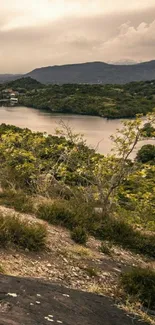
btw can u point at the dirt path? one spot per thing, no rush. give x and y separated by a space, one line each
34 302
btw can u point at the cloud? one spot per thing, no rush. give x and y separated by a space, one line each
131 42
31 40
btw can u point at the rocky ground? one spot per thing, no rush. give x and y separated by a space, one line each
68 264
33 302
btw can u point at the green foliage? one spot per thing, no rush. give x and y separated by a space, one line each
123 234
26 83
137 197
146 154
148 130
63 167
28 158
111 101
62 213
79 235
18 200
56 212
21 233
140 283
106 249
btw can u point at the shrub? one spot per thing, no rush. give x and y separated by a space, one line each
18 232
105 249
79 235
125 235
146 154
18 200
57 212
92 272
140 283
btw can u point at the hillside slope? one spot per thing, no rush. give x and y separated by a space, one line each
63 280
95 72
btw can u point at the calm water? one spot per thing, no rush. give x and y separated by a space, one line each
96 130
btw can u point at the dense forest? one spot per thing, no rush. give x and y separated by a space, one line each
110 101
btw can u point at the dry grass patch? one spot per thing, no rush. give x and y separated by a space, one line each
96 288
2 271
81 251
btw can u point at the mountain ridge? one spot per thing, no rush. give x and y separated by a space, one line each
96 72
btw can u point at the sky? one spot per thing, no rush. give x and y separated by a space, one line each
35 33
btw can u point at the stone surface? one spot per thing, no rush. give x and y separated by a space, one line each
58 305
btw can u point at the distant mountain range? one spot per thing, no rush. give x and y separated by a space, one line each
9 77
91 73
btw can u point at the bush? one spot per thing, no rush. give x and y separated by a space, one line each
92 272
17 200
125 235
140 283
79 235
146 154
57 212
18 232
105 249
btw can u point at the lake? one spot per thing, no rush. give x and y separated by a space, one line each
96 130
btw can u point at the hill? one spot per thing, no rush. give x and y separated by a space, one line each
94 73
26 83
90 72
109 101
8 77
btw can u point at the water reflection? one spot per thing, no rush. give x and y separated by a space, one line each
96 130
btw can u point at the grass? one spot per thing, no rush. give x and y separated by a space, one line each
18 200
21 233
67 214
56 212
95 288
123 234
79 235
140 284
81 221
106 249
82 251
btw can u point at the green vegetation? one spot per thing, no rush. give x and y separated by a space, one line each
106 249
18 200
146 154
79 235
111 101
57 213
60 180
24 84
102 100
140 284
121 233
73 180
21 233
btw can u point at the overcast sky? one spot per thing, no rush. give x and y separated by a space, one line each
35 33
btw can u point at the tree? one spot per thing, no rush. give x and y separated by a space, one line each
146 154
104 175
148 130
